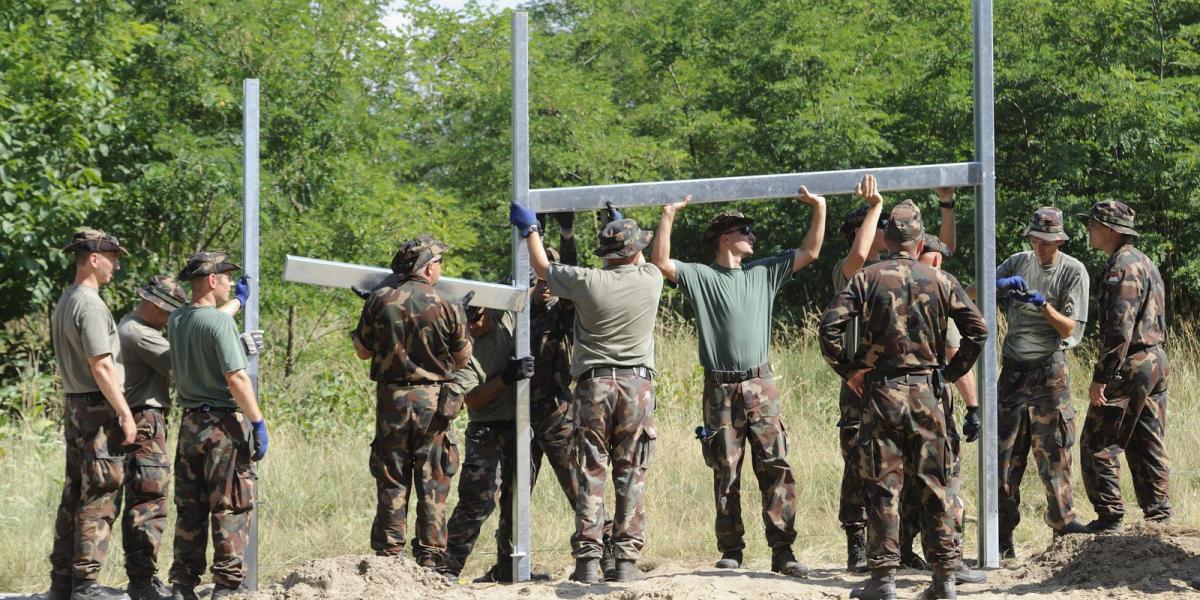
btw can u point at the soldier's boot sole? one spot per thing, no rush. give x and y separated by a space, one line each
729 560
627 572
587 570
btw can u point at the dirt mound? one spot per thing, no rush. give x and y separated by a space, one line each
345 577
1145 557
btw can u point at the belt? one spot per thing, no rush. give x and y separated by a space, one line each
87 396
1037 363
404 383
716 376
138 409
875 375
613 372
1141 348
204 408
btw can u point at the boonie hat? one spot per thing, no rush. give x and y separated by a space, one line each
621 239
1114 214
201 264
934 244
414 254
905 223
164 293
94 240
1047 224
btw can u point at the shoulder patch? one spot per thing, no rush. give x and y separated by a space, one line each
1112 278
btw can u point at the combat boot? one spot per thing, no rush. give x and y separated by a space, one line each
942 587
60 587
627 571
1105 524
856 551
499 574
183 592
912 560
785 563
608 562
965 574
1072 527
1006 545
88 589
881 586
587 570
147 588
222 591
730 560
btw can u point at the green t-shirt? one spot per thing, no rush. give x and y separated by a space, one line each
489 356
615 310
733 308
204 347
147 358
80 329
1065 286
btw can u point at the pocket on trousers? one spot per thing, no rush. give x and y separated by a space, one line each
104 472
646 445
708 448
241 492
867 456
374 463
151 475
1066 427
449 458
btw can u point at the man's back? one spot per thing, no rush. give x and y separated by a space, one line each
204 347
413 333
615 310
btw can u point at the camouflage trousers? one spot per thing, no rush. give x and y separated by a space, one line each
147 479
1121 426
910 499
553 423
614 422
411 443
734 414
1035 413
95 471
488 473
904 429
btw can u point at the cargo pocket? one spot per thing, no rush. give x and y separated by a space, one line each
104 472
708 448
867 457
645 448
449 458
1066 427
241 492
151 475
373 462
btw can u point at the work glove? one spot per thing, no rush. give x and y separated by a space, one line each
522 218
609 214
566 220
971 424
517 369
252 342
1016 282
242 290
465 301
1032 297
702 432
361 293
261 441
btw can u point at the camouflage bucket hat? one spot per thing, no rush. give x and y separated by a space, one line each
905 223
853 220
164 293
94 240
621 239
934 244
724 222
201 264
1114 214
1047 224
414 254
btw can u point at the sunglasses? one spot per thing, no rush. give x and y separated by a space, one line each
744 230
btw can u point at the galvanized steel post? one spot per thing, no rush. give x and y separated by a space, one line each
250 263
520 195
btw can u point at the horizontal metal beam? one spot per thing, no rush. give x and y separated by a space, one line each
314 271
756 187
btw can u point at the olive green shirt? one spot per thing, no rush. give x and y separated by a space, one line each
489 357
1065 286
615 310
147 357
81 328
204 347
733 308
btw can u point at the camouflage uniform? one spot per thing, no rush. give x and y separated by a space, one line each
1135 369
417 339
903 307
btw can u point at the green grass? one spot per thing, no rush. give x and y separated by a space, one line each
318 497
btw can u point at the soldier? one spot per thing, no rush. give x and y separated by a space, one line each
1128 394
415 340
903 306
612 363
98 424
147 358
221 434
733 299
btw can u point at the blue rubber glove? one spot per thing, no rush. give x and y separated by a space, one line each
613 213
1034 297
1016 282
261 441
522 218
242 290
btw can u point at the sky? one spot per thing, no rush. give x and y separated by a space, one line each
394 19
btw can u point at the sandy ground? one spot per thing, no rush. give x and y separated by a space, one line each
1144 561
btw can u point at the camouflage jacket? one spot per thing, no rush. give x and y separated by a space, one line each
414 334
551 336
903 306
1132 310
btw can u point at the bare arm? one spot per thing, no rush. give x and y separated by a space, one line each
232 307
104 371
537 255
483 395
864 238
947 231
660 247
810 248
965 384
243 393
1064 325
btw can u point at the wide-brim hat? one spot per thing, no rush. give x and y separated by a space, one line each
94 240
1114 214
202 264
163 293
1047 224
935 244
724 222
854 219
414 254
622 239
905 223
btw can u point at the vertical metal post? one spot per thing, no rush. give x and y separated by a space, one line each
250 262
520 195
985 282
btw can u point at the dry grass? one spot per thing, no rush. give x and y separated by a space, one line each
318 496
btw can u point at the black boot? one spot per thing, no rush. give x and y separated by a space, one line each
730 560
912 560
881 586
222 591
147 588
1105 524
608 563
856 551
587 570
1006 545
627 571
499 574
1072 527
942 587
60 587
88 589
785 563
965 574
183 592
